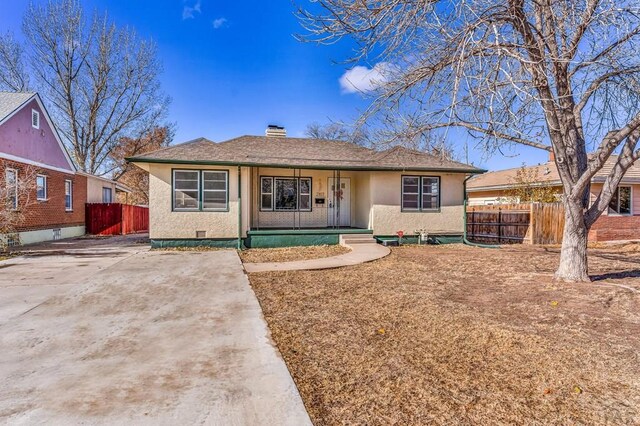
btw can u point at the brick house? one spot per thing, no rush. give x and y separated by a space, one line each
30 145
621 221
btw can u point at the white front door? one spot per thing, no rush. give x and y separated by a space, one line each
339 209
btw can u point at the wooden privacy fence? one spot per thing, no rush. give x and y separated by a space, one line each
531 223
115 219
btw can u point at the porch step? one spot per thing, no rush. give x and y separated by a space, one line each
348 239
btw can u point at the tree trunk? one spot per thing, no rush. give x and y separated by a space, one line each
573 255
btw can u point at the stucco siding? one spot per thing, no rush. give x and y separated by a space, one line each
94 189
388 218
363 202
165 223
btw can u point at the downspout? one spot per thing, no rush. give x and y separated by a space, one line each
464 237
239 208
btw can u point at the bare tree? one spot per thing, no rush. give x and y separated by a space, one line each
338 131
529 186
17 194
559 75
130 175
100 81
13 74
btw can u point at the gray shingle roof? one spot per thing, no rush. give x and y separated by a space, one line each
11 101
545 173
300 153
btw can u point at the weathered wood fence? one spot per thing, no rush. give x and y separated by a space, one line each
531 223
115 219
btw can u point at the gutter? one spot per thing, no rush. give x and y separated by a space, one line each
309 167
464 235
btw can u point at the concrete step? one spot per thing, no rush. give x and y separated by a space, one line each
369 241
347 239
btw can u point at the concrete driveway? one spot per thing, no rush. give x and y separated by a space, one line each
56 267
141 337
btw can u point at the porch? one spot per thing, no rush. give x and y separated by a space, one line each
270 238
322 203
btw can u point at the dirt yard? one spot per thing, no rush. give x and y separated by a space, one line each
288 254
462 335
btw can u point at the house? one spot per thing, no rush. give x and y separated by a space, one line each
104 190
32 155
30 144
275 190
620 222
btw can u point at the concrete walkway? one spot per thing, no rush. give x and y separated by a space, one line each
361 252
158 338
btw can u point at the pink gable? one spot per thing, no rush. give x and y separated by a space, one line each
19 138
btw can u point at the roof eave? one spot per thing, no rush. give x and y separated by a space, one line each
306 167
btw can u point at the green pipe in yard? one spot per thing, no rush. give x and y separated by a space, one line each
464 237
240 208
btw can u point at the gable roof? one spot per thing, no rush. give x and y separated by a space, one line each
547 173
300 153
11 102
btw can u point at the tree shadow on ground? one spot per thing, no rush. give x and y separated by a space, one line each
619 275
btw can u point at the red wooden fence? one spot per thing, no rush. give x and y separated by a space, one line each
115 219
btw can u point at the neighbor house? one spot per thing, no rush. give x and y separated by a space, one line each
620 222
33 156
273 190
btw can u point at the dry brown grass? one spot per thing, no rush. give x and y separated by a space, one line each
461 335
288 254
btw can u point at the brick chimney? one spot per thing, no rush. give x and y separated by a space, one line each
552 156
274 131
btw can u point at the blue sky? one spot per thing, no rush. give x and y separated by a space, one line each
231 68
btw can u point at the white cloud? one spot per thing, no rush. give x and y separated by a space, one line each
219 23
189 10
361 79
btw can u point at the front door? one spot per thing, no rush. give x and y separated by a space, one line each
339 210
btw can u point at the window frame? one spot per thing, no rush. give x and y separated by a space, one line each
68 183
270 194
225 190
273 193
200 191
110 194
45 187
420 208
611 212
16 202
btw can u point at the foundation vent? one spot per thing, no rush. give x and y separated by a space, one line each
201 234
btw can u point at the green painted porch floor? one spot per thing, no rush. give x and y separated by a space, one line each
309 231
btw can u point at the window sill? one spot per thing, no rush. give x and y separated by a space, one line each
42 200
68 210
421 211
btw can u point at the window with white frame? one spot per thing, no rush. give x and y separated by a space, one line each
35 119
196 190
214 190
41 187
68 195
107 194
420 193
11 182
285 194
621 201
